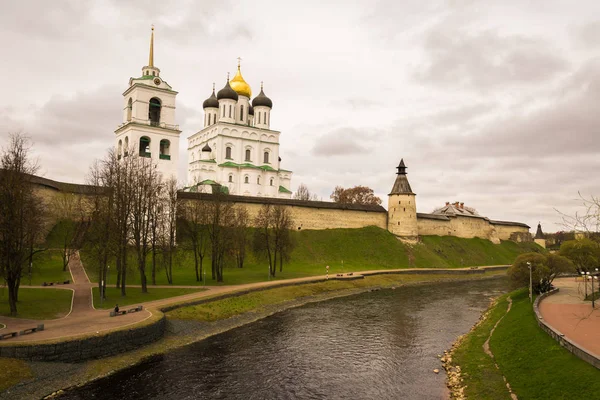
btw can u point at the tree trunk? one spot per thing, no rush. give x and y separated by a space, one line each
119 268
12 297
153 265
196 264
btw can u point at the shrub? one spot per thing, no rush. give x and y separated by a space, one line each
544 269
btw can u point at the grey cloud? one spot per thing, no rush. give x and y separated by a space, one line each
486 59
588 34
342 141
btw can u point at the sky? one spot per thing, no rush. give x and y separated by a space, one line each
494 104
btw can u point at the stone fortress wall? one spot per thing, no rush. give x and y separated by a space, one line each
324 215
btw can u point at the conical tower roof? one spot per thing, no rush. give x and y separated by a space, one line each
539 234
401 185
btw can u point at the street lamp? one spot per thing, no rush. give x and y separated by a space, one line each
530 283
584 282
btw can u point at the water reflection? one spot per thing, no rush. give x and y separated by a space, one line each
377 345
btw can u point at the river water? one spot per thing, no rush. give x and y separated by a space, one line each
376 345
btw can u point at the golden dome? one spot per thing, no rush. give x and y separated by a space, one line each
239 84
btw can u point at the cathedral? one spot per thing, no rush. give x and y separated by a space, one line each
236 151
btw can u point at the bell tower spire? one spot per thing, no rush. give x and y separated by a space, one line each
151 57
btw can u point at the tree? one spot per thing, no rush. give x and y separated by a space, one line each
355 195
272 236
71 224
545 268
220 215
168 219
194 229
588 220
303 193
584 253
21 215
239 233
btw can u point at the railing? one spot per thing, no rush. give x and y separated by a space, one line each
164 157
146 154
150 123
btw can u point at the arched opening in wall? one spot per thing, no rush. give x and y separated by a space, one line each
165 150
119 149
230 111
154 111
271 181
246 179
266 157
230 179
129 109
153 73
242 113
228 152
145 146
248 152
126 147
258 180
223 111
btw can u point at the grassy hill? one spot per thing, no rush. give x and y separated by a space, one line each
348 250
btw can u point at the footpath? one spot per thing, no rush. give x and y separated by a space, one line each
84 319
568 313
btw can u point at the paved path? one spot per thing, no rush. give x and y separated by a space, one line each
84 319
566 312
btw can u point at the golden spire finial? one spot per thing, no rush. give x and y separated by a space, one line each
228 77
239 62
151 58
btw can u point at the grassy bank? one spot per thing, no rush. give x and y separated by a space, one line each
38 303
534 364
13 371
135 296
259 301
344 250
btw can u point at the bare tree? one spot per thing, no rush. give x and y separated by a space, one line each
220 215
241 221
272 236
588 220
71 224
195 231
167 219
303 193
21 214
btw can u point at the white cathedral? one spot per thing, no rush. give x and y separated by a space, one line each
235 152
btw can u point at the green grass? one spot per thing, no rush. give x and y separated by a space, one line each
367 248
13 371
46 267
38 303
258 301
135 296
534 364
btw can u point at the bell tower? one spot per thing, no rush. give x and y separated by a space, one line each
402 207
148 127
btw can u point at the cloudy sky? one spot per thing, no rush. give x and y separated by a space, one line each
495 104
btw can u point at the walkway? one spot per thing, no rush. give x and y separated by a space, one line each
84 319
566 312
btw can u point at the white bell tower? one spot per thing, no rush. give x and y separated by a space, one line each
148 127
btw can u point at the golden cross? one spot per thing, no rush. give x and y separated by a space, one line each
239 61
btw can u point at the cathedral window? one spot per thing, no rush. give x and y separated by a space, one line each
258 180
230 111
223 111
241 113
165 150
247 154
266 157
120 149
246 179
271 182
228 152
154 111
230 178
145 147
126 146
129 109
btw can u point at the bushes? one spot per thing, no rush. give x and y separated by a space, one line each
545 267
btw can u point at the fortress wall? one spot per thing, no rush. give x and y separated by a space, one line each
433 227
506 231
468 227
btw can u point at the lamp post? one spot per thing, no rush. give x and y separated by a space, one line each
530 282
584 282
592 275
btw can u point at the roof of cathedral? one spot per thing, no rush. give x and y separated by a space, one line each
401 185
262 99
227 93
212 101
206 147
250 110
240 86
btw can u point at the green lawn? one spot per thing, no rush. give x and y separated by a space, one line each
360 249
38 303
13 371
46 267
135 296
534 364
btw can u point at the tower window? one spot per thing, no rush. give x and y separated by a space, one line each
247 154
246 179
154 111
145 147
271 182
266 157
165 150
129 109
153 73
228 152
126 147
258 180
230 111
259 118
120 149
231 178
223 111
241 112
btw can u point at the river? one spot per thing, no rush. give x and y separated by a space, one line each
376 345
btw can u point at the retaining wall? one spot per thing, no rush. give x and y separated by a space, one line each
560 337
78 350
